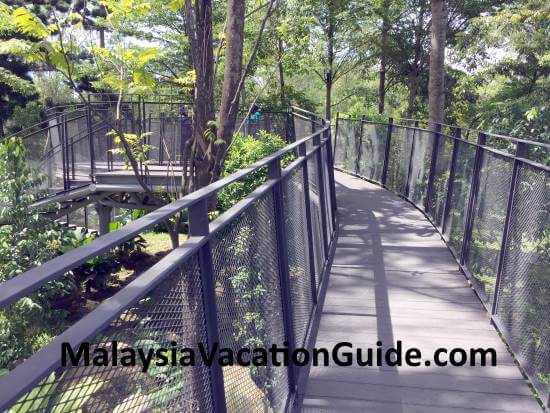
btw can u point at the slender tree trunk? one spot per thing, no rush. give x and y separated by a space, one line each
383 53
280 51
417 63
330 69
2 128
102 37
229 106
413 85
199 31
436 86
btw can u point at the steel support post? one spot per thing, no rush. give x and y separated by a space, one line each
104 215
73 165
274 173
199 227
161 138
433 165
90 140
409 172
358 147
451 180
332 186
336 133
387 152
321 188
474 186
309 227
521 150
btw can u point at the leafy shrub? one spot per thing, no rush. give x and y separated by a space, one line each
243 152
27 239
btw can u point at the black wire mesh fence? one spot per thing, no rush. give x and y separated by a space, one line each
247 280
490 202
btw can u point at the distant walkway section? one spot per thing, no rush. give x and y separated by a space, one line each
393 279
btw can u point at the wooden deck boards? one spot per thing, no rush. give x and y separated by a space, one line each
393 279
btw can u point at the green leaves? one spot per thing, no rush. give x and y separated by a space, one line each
29 24
16 83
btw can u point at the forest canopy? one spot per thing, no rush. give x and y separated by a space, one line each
367 57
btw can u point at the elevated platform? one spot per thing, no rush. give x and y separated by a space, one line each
393 279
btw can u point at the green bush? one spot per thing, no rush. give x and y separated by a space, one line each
243 152
27 239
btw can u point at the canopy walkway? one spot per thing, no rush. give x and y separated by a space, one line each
446 246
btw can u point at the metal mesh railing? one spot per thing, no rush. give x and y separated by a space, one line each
491 206
247 280
171 313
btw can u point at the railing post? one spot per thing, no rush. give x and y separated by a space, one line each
331 182
90 140
73 163
433 164
358 145
521 150
468 222
336 134
62 148
409 172
199 227
161 138
321 189
274 173
450 182
387 152
309 227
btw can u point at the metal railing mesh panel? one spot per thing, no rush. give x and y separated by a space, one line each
316 219
478 214
172 312
489 214
441 179
249 306
373 144
454 230
419 167
400 155
524 295
346 150
326 183
298 254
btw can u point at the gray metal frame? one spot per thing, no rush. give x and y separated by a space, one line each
28 374
518 160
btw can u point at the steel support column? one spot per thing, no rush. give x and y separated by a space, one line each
199 227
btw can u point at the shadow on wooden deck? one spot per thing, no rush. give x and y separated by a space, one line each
393 279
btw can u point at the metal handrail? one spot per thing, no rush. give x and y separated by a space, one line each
23 284
429 161
487 133
486 147
39 365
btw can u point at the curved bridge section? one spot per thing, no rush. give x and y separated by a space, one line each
249 278
488 196
393 280
258 275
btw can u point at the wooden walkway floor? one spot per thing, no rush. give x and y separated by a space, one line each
393 279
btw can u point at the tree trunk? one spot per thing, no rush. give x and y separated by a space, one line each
330 68
417 63
280 50
413 82
383 52
436 86
2 128
229 105
102 38
199 31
